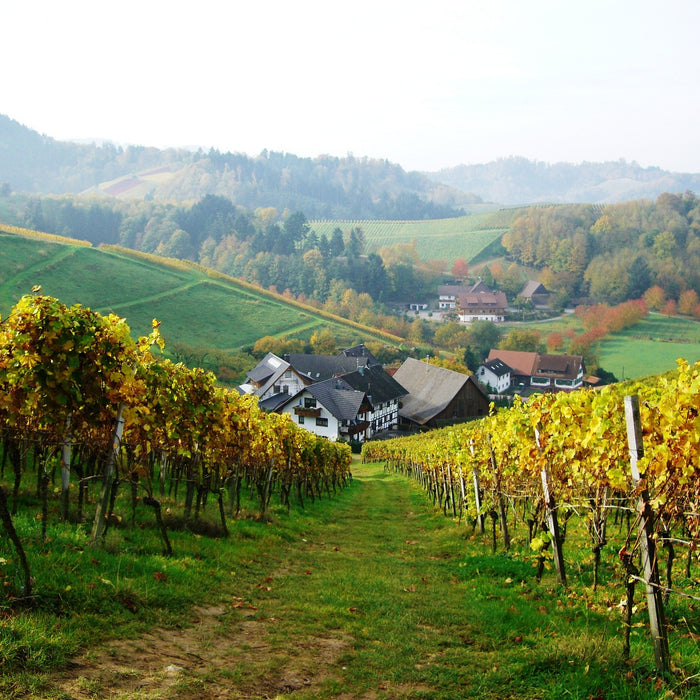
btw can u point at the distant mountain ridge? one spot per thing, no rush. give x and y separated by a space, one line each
518 180
324 187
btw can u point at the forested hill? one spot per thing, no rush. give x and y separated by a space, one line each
322 187
522 181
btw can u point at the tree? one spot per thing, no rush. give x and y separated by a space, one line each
471 360
296 229
670 308
179 246
451 335
374 277
356 243
268 343
460 269
337 245
323 342
655 298
487 276
522 340
483 336
688 302
555 341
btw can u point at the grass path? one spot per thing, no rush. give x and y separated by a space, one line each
370 594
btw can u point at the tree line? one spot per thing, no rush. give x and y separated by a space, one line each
612 253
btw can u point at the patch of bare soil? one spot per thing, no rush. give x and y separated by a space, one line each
218 657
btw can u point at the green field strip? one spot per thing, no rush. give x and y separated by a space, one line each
114 308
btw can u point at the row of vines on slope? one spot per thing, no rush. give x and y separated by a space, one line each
572 449
80 398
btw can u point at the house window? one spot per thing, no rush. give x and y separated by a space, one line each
322 422
309 402
288 374
301 420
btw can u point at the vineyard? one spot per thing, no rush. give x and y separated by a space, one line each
620 465
439 239
87 412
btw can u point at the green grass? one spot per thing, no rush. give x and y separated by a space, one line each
438 239
193 307
651 347
369 593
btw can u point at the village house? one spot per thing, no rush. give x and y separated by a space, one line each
538 371
273 375
330 409
437 396
482 306
536 293
496 375
448 293
348 395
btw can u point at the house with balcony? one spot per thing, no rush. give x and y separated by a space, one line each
449 293
532 370
349 395
482 306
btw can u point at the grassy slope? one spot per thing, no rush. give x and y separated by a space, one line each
371 593
193 306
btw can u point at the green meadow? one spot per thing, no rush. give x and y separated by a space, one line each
651 347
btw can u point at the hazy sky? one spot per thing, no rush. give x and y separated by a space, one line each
425 84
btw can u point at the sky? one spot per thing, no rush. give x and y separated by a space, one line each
427 85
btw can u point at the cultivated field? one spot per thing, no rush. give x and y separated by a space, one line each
438 239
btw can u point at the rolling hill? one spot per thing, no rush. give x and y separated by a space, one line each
522 181
323 187
196 306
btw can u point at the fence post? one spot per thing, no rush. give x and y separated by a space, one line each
657 621
477 490
498 497
552 519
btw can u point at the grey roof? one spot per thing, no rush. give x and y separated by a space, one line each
338 397
360 351
452 290
376 382
318 368
275 402
479 287
335 395
497 367
266 372
430 389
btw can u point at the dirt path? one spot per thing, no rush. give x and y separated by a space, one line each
326 584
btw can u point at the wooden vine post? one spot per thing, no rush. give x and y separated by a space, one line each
100 522
498 497
477 490
657 621
552 519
